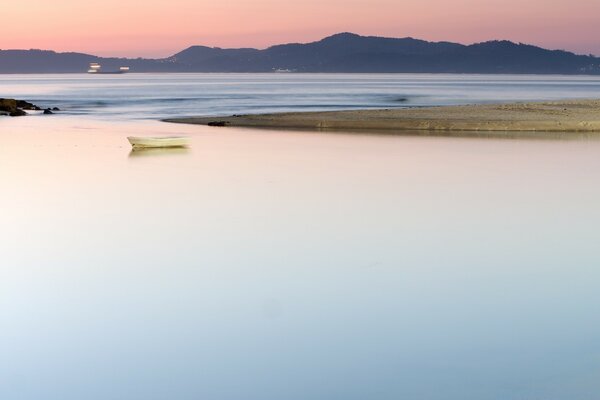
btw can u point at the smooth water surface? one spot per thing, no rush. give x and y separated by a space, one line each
293 265
277 265
154 96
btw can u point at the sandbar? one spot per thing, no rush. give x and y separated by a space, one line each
548 116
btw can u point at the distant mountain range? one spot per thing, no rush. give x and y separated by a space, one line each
344 52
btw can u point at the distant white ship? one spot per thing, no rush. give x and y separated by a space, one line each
96 68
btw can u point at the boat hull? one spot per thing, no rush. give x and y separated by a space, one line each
158 142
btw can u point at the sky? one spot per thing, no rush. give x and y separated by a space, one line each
157 28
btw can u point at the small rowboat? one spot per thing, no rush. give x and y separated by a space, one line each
158 142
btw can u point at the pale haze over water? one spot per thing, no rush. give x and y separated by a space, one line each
293 265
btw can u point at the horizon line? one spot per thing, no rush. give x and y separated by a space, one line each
304 43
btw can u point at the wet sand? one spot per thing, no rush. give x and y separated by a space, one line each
556 116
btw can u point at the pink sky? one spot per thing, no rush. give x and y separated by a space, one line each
161 28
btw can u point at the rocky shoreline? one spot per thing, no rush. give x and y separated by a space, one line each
18 108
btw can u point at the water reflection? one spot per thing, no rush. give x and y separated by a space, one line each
511 135
159 152
291 265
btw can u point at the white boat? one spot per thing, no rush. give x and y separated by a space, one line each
158 142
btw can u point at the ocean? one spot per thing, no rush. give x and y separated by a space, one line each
154 96
272 264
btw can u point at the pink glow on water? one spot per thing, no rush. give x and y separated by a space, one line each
158 28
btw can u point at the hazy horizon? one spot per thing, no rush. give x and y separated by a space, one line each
114 28
171 52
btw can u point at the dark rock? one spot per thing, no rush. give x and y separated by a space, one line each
55 109
17 113
8 105
15 108
48 111
24 105
218 123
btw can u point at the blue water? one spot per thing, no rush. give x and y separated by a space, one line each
151 96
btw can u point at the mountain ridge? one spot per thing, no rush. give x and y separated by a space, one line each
341 52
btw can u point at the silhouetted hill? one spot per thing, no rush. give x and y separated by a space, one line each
344 52
44 61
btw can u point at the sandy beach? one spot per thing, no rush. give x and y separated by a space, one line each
556 116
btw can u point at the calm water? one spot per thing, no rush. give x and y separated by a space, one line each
277 265
152 96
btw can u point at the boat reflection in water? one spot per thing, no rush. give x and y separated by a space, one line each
153 152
